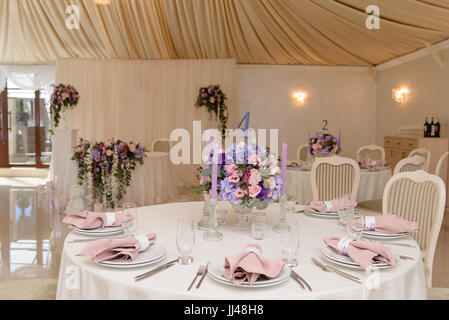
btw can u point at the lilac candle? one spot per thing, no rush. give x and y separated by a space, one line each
308 141
284 169
213 190
339 138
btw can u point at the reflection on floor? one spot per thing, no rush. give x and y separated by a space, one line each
32 235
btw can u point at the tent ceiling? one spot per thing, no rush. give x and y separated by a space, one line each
310 32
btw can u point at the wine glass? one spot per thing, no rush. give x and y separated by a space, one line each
185 240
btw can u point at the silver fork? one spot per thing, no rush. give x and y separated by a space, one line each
200 272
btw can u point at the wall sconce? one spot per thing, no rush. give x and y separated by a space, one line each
103 2
400 94
300 97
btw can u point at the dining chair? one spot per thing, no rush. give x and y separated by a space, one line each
301 153
372 152
410 164
161 145
441 163
423 152
332 177
421 197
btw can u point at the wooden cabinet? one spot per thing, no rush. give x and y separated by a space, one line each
397 148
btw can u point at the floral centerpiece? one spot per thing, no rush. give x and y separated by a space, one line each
63 98
213 99
323 144
106 167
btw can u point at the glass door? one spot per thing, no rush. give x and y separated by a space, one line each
25 139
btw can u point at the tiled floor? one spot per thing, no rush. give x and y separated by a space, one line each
31 234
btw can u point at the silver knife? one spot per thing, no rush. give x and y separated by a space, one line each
399 244
155 270
339 272
297 280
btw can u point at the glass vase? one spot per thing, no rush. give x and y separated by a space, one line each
282 224
212 234
243 213
204 223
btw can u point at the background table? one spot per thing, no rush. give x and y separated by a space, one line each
154 181
406 280
371 187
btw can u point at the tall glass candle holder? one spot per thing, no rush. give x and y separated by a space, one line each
205 221
213 234
282 224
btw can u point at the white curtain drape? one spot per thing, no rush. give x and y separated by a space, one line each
137 100
29 77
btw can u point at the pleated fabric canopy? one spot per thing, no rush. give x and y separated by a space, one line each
308 32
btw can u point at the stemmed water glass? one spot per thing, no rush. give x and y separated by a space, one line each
185 240
289 238
129 222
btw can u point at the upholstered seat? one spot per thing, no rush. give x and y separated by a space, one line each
28 289
371 205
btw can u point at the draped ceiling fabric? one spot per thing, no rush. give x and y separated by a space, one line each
310 32
141 101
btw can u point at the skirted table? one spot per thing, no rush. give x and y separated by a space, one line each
371 187
81 278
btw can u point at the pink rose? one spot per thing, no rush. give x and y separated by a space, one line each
109 153
254 159
254 190
132 147
254 177
231 169
239 193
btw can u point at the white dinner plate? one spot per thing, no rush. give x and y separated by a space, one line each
216 268
384 236
344 261
382 168
324 215
364 169
295 168
99 232
152 254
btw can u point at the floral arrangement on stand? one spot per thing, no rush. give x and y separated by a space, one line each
106 168
323 144
213 99
63 98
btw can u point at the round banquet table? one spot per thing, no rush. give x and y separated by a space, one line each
81 278
371 187
153 182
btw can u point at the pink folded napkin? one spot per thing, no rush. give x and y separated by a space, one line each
388 223
361 252
125 249
250 265
333 205
373 164
93 220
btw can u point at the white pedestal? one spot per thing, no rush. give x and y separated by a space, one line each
63 171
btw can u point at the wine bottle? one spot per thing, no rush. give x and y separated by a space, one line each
438 127
426 128
432 128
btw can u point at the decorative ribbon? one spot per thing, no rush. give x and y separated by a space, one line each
253 250
110 219
144 242
343 245
328 206
370 223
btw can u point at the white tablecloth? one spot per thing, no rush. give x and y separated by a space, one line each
80 278
154 181
372 184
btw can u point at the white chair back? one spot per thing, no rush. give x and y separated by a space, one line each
333 177
301 153
410 164
372 152
421 197
441 163
422 152
161 145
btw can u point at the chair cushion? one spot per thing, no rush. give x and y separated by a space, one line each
372 205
